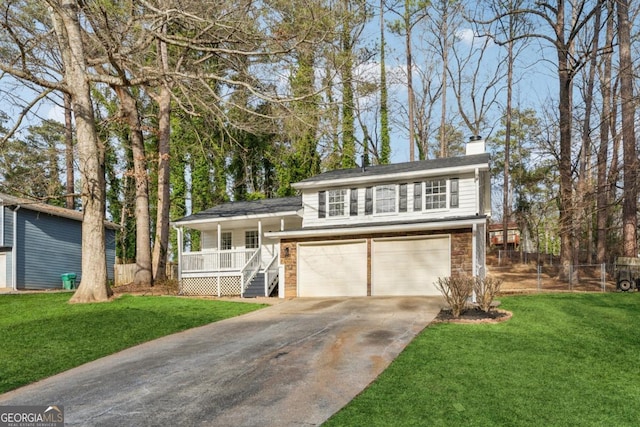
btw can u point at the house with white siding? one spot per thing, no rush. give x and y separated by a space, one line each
368 231
40 242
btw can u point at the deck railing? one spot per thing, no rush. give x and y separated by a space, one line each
250 269
213 261
271 276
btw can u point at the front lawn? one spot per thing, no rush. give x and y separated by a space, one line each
563 359
41 335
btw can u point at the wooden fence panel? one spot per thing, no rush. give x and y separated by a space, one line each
124 273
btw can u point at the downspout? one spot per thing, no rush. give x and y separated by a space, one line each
474 255
2 225
14 255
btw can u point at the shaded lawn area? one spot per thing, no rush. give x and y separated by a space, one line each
563 359
41 335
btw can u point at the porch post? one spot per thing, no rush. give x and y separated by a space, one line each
219 249
260 233
180 249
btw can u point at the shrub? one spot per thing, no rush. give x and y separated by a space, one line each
486 289
456 291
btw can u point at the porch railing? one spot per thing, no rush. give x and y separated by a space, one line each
204 261
250 269
271 276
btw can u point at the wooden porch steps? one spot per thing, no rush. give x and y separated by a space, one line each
256 287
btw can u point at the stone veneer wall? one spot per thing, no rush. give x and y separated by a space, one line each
461 254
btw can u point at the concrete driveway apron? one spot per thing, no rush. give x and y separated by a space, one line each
292 364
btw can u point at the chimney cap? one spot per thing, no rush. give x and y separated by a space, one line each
475 138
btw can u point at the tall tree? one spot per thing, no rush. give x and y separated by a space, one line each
64 15
385 138
630 185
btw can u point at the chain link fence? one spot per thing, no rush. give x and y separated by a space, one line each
533 273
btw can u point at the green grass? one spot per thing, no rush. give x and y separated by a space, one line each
562 360
41 334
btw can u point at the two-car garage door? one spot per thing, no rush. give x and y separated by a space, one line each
399 266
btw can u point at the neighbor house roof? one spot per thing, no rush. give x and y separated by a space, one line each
24 203
254 208
399 170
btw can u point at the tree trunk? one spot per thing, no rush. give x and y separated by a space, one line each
565 112
161 241
584 199
93 284
129 110
507 146
68 142
410 97
630 190
602 197
385 138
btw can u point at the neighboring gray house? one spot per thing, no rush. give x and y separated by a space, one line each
379 230
40 242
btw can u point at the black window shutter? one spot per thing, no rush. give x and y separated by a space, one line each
353 204
417 196
368 201
322 202
454 184
403 198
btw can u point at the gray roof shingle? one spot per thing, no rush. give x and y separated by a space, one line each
380 170
254 207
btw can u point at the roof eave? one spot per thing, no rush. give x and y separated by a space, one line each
424 173
408 227
234 218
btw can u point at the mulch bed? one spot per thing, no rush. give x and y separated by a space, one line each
474 316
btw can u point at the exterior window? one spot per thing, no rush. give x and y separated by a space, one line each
251 240
225 241
337 202
385 198
435 194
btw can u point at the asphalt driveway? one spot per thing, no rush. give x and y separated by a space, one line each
292 364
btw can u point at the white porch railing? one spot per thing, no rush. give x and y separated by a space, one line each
215 261
271 276
250 269
228 272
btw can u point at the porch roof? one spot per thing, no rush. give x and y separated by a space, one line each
245 209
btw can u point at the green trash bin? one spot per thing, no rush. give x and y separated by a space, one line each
68 280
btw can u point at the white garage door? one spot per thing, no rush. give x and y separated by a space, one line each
332 269
409 266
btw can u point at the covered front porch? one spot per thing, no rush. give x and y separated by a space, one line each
228 273
235 258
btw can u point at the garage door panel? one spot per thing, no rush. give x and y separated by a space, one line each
409 266
332 269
